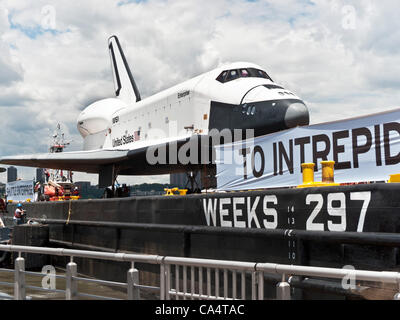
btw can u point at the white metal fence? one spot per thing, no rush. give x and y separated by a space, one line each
184 278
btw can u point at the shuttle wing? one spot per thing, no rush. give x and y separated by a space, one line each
129 161
83 161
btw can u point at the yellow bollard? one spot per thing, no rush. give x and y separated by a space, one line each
183 192
308 175
308 172
394 178
170 192
327 171
327 175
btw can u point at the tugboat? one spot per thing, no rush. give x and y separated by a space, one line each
59 185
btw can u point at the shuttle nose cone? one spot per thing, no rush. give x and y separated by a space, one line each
297 115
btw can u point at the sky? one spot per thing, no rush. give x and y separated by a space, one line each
340 56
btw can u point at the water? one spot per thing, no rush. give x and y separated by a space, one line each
33 294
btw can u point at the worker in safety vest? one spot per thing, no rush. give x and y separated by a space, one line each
75 192
19 215
3 205
47 174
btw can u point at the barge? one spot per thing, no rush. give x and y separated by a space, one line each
337 226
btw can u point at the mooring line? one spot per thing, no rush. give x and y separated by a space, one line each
69 212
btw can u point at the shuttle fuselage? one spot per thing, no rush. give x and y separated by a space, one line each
193 107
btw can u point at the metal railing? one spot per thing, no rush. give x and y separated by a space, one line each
184 278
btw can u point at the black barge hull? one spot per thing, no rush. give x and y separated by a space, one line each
355 225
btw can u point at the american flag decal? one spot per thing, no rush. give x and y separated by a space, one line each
137 135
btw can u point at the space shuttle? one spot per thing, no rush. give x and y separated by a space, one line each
118 132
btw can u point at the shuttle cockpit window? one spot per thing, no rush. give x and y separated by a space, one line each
232 75
244 73
222 76
229 75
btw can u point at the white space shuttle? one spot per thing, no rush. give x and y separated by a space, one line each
118 131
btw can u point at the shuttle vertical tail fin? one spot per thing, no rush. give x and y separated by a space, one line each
125 86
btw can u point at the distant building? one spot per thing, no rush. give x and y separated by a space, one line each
180 180
87 191
40 175
83 186
11 174
2 189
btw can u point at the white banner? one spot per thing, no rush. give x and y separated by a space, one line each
364 149
20 190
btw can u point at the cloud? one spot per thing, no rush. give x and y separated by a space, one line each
342 57
8 75
10 71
